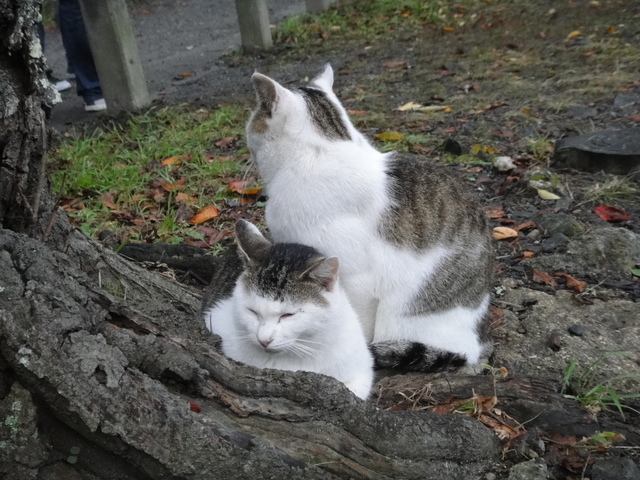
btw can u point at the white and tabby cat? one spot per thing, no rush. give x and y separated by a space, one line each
415 249
286 310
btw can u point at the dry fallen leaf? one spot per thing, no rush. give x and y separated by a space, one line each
547 195
225 142
524 226
204 214
574 283
542 277
573 34
390 136
170 186
413 106
243 189
396 64
175 160
497 212
502 233
611 214
186 199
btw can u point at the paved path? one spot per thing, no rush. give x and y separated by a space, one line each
174 37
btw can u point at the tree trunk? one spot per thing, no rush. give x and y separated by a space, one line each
107 371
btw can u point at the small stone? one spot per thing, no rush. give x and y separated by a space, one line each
533 453
623 100
504 164
534 469
564 203
528 302
555 340
576 330
615 469
560 222
582 112
490 476
534 235
522 330
552 243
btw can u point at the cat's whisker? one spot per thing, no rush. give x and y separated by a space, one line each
303 351
309 341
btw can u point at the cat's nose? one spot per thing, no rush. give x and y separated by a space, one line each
265 343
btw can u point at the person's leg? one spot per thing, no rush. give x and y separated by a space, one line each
79 56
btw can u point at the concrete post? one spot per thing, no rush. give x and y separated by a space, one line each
115 53
318 6
253 18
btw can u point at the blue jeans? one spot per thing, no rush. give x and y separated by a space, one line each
76 45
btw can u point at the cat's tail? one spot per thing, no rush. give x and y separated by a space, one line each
414 356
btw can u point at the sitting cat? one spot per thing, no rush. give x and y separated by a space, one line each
414 245
287 310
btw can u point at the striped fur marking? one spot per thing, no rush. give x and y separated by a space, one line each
414 356
324 114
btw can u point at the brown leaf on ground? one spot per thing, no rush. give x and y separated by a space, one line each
542 277
495 212
502 233
489 107
574 283
204 214
442 409
186 199
225 142
171 186
396 64
243 188
176 160
524 226
496 314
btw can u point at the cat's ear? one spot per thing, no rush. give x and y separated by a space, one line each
251 243
324 79
324 271
268 92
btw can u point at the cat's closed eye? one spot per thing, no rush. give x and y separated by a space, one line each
286 315
253 311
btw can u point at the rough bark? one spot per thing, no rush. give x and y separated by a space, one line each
116 376
25 100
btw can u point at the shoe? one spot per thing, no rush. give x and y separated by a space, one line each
95 105
59 85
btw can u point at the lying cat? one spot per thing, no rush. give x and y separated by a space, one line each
286 310
414 245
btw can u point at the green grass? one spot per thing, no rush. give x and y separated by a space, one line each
585 388
121 165
611 191
358 19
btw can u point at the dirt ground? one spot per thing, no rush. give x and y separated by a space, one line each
517 76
